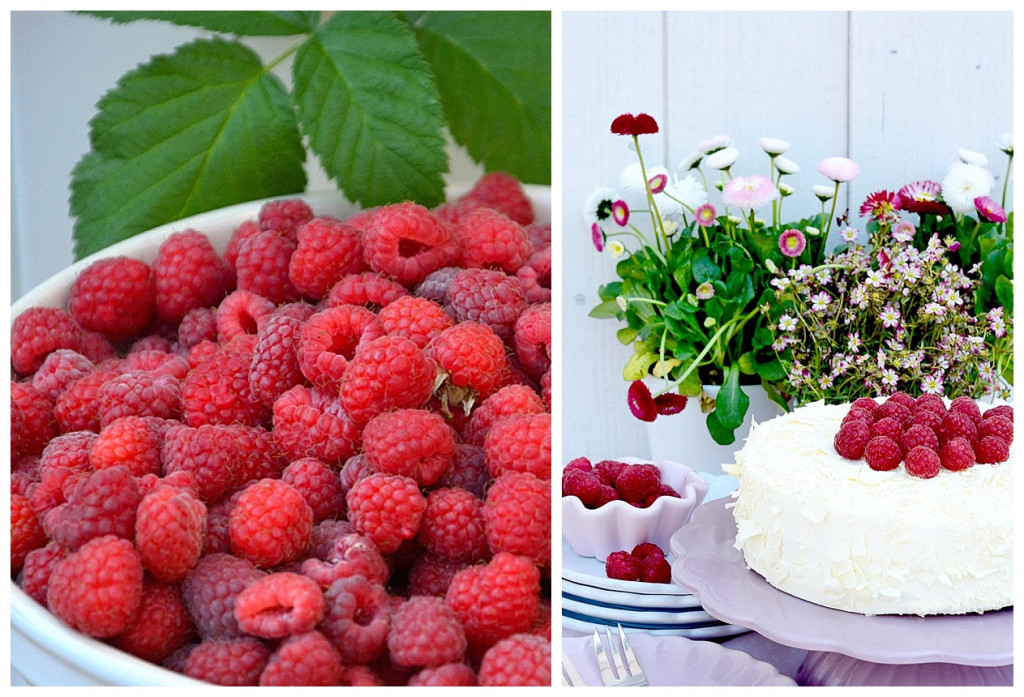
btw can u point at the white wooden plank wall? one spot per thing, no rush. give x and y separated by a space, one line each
899 92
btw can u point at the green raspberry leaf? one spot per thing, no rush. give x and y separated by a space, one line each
244 23
494 73
367 101
200 129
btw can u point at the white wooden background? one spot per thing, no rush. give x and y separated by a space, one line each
898 92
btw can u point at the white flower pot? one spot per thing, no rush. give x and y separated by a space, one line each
684 437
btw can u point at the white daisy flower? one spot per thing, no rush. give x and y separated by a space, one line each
963 183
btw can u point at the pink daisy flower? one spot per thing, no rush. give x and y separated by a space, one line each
597 236
792 242
658 183
922 197
839 169
620 212
749 193
879 205
706 215
990 210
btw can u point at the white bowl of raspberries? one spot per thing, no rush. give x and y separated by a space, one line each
290 443
618 504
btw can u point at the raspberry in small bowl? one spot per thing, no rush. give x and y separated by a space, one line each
617 504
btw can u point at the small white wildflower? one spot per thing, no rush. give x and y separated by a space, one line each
787 323
823 192
1005 143
616 248
786 165
722 159
773 146
971 157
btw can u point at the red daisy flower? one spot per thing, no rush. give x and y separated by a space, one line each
630 125
640 401
922 197
879 204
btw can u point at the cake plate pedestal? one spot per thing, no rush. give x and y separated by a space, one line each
844 648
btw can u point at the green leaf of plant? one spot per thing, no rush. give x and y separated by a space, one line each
1004 293
720 433
368 103
241 23
202 128
493 70
606 310
731 403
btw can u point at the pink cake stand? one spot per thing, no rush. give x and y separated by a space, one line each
844 648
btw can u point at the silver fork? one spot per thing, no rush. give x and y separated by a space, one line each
623 670
570 676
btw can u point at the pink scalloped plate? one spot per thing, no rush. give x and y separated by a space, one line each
708 565
676 660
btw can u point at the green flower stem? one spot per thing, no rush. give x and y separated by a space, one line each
835 195
655 216
1006 179
633 231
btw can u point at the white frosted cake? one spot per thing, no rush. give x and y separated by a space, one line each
836 532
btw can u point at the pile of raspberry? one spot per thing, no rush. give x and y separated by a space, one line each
646 563
320 456
596 484
924 434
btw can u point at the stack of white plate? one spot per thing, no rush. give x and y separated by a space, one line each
592 600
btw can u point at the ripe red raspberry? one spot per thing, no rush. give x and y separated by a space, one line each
199 324
210 589
60 368
922 462
279 605
161 625
532 339
369 289
859 414
309 422
929 402
902 398
115 296
327 250
999 426
495 600
608 470
588 488
448 675
435 285
473 359
330 338
218 392
489 239
228 661
1000 410
97 589
169 527
386 508
866 403
156 362
517 516
352 554
358 619
957 454
101 503
37 332
204 453
319 486
646 549
188 273
384 374
139 393
929 417
489 297
655 569
453 526
284 215
508 400
304 660
34 578
503 192
887 426
520 443
262 266
431 575
851 439
407 242
130 441
411 442
622 566
271 523
274 368
38 422
954 424
519 660
991 450
27 531
896 409
883 453
468 470
968 407
241 312
918 435
535 276
425 632
415 318
636 483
